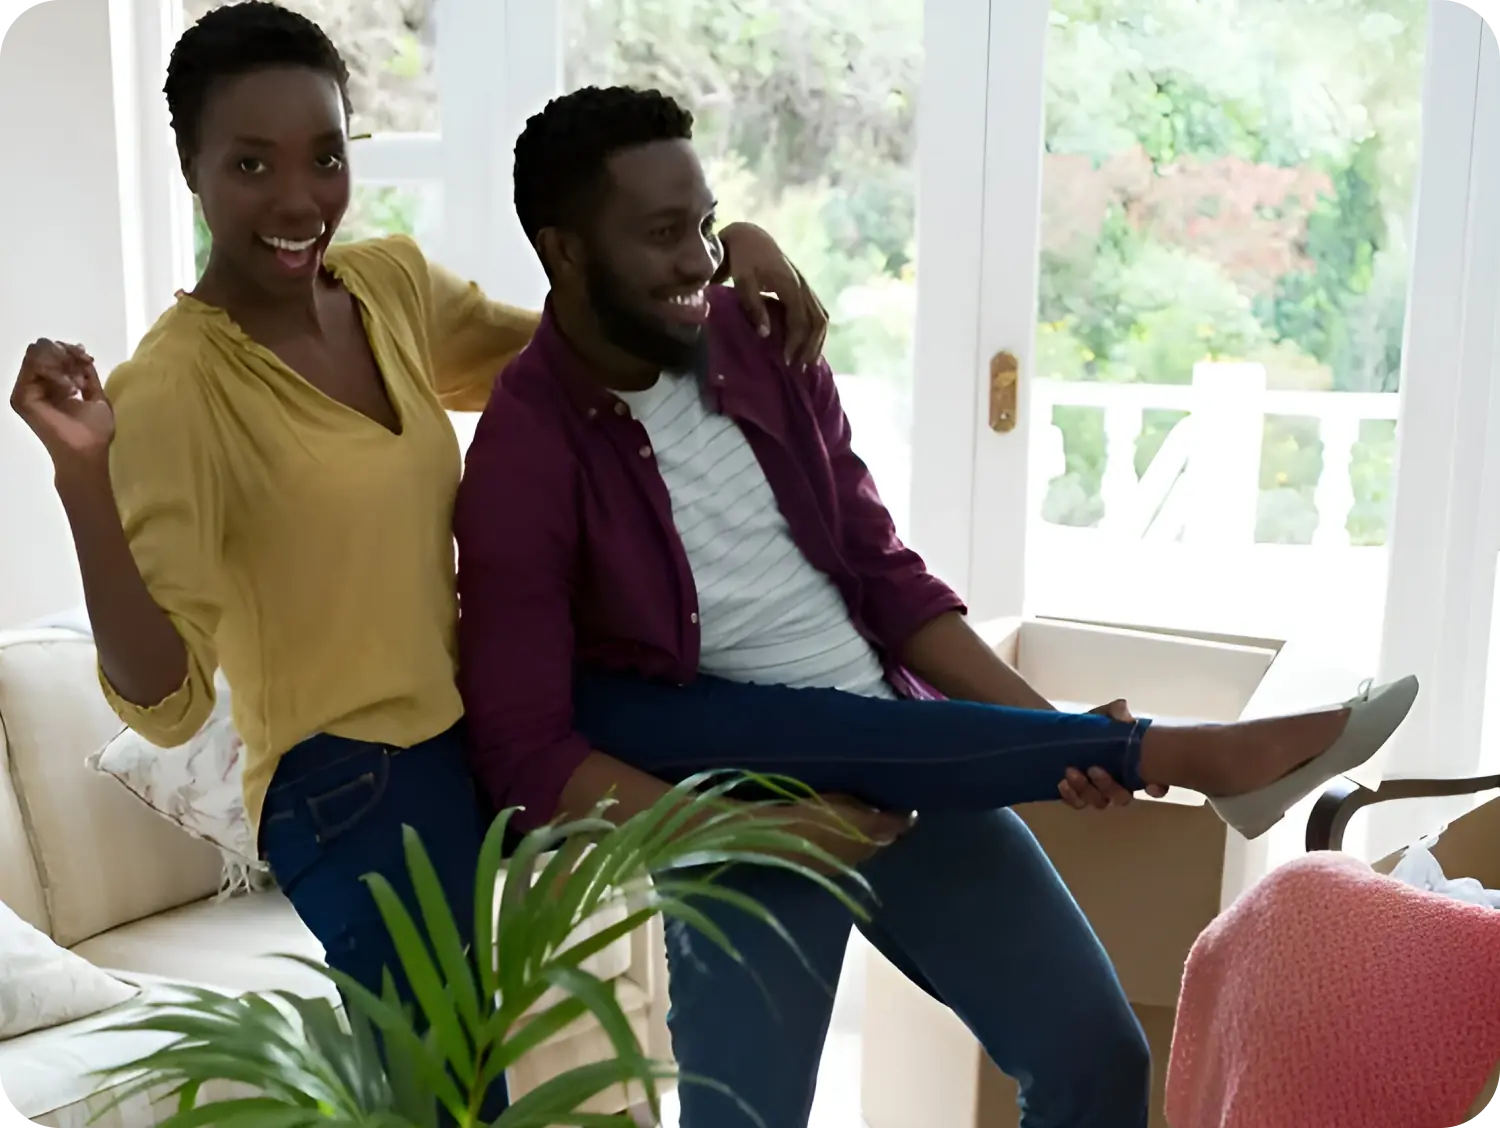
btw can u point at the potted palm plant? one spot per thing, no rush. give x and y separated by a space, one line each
282 1061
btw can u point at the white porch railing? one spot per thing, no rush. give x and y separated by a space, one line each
1202 486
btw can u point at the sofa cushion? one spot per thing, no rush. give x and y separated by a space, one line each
104 858
20 883
50 1076
231 944
42 985
234 944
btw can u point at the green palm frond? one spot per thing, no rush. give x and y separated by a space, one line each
305 1063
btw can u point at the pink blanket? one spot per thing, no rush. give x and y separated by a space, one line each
1329 996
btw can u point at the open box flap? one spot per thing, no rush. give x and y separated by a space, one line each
1173 676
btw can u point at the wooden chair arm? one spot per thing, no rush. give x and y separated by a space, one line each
1343 797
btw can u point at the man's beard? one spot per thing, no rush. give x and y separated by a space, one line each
635 333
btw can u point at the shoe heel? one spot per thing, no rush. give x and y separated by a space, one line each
1246 828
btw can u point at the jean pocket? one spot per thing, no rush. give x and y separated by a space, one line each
319 762
341 808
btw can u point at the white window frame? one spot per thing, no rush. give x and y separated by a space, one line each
498 63
1445 528
1439 610
155 206
957 124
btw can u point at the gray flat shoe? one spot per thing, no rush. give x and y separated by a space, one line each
1373 717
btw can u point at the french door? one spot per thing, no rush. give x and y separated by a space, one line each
1213 254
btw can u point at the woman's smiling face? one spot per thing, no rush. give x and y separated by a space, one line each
270 169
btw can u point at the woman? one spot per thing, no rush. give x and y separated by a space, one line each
268 485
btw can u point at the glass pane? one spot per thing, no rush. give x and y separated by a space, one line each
388 46
1226 211
806 120
373 211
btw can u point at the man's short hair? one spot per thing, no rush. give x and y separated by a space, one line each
561 155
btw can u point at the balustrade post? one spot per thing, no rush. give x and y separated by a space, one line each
1223 473
1048 453
1119 488
1334 496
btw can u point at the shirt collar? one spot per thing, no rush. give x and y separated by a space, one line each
586 394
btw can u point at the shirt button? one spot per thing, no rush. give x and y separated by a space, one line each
593 411
645 452
693 618
720 377
621 409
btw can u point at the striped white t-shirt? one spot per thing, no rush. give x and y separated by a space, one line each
765 613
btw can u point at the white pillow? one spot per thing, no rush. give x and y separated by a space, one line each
197 785
43 985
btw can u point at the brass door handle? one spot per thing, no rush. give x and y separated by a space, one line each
1005 382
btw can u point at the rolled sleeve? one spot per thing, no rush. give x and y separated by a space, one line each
167 488
899 595
517 530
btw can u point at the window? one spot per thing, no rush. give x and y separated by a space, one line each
1236 194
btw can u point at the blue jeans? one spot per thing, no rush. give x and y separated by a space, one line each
335 812
895 754
967 904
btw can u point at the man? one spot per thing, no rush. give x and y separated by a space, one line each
655 487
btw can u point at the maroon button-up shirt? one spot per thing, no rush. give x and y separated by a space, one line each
568 554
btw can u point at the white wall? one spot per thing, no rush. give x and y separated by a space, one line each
61 270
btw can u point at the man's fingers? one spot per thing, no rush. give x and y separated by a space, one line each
754 303
798 324
816 320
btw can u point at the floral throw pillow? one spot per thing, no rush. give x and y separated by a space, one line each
196 785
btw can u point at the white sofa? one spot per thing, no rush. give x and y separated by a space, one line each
87 863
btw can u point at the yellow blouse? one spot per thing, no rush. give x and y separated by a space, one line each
296 544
